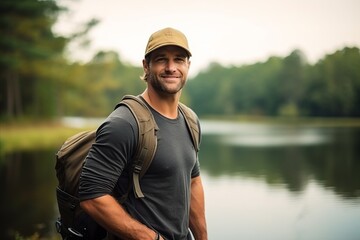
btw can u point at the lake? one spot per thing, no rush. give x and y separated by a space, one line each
262 181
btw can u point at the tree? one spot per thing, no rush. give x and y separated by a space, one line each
334 86
98 85
29 52
291 83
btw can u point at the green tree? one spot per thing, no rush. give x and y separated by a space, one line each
291 84
281 86
30 53
334 87
98 85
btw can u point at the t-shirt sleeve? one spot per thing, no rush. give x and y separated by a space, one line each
107 158
196 170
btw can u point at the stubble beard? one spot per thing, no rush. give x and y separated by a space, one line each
163 88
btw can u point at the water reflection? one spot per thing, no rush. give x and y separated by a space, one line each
332 160
261 182
265 135
244 208
27 203
281 182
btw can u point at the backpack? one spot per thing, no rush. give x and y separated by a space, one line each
73 222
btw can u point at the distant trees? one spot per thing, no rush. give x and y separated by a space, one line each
100 85
29 55
38 81
281 87
333 85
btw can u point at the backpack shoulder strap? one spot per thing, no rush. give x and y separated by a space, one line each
147 140
191 120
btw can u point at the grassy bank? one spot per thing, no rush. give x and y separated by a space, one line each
15 137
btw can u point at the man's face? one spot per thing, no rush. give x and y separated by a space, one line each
167 70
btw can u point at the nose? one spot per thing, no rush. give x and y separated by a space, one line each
170 66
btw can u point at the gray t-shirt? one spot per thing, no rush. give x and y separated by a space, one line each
166 184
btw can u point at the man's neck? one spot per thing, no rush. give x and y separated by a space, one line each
165 105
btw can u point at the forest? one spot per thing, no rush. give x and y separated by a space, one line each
39 81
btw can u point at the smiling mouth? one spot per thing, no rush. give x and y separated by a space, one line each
170 78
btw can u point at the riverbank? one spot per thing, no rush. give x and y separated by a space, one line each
45 135
23 137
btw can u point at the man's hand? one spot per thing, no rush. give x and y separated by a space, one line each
112 216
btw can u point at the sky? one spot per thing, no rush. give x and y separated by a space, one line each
230 32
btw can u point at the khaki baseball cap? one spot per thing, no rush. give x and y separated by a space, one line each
166 37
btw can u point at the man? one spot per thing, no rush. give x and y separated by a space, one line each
174 198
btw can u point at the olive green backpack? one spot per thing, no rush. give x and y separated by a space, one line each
73 222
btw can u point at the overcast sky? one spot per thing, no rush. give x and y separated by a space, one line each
226 31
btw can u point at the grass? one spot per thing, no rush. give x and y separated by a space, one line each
27 136
15 137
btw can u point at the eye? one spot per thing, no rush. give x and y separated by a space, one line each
180 59
160 59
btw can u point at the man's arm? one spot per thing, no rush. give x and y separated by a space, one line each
197 210
112 216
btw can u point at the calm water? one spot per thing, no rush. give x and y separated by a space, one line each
261 182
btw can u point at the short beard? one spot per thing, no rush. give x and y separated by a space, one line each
160 88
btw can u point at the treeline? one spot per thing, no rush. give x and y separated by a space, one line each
96 87
38 81
30 58
287 86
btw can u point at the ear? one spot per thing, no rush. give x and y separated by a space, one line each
145 66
